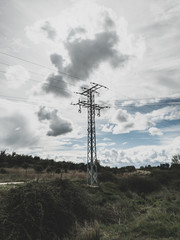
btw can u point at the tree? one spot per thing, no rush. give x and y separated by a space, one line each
175 159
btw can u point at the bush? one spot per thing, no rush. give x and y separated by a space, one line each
106 177
139 184
38 169
157 230
165 177
3 171
143 184
43 210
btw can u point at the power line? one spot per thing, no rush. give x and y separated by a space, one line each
25 100
148 104
118 104
52 85
33 73
6 64
40 65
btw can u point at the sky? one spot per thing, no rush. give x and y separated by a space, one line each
51 49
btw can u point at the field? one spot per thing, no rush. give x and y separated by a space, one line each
140 204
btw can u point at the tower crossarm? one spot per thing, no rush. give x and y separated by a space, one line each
94 89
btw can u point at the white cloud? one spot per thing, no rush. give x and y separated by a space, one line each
166 113
106 139
125 122
106 128
16 76
155 131
79 147
18 125
140 156
102 144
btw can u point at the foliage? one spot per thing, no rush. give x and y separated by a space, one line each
42 210
139 184
127 204
3 171
175 159
106 176
24 161
50 166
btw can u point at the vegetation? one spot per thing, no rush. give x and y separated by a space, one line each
127 204
176 159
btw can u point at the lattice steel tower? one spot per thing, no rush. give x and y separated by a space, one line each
92 171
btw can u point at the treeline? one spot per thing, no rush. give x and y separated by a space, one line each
28 161
49 165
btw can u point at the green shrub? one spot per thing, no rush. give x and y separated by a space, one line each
143 184
43 210
106 177
139 184
38 169
3 171
157 230
88 232
124 184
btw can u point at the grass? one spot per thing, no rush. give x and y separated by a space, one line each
89 231
123 207
157 217
24 175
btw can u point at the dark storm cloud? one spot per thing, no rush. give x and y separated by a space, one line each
87 54
50 31
56 85
108 23
43 114
58 126
128 125
57 60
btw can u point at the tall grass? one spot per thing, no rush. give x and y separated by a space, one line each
88 232
21 174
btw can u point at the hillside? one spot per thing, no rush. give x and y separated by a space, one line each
126 205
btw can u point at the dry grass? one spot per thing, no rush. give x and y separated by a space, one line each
136 173
74 175
88 231
21 174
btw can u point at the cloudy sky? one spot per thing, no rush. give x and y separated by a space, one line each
51 49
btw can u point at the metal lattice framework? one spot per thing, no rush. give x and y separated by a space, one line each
92 171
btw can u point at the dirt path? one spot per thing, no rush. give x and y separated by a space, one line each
5 183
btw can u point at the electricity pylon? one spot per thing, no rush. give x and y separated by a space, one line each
92 107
